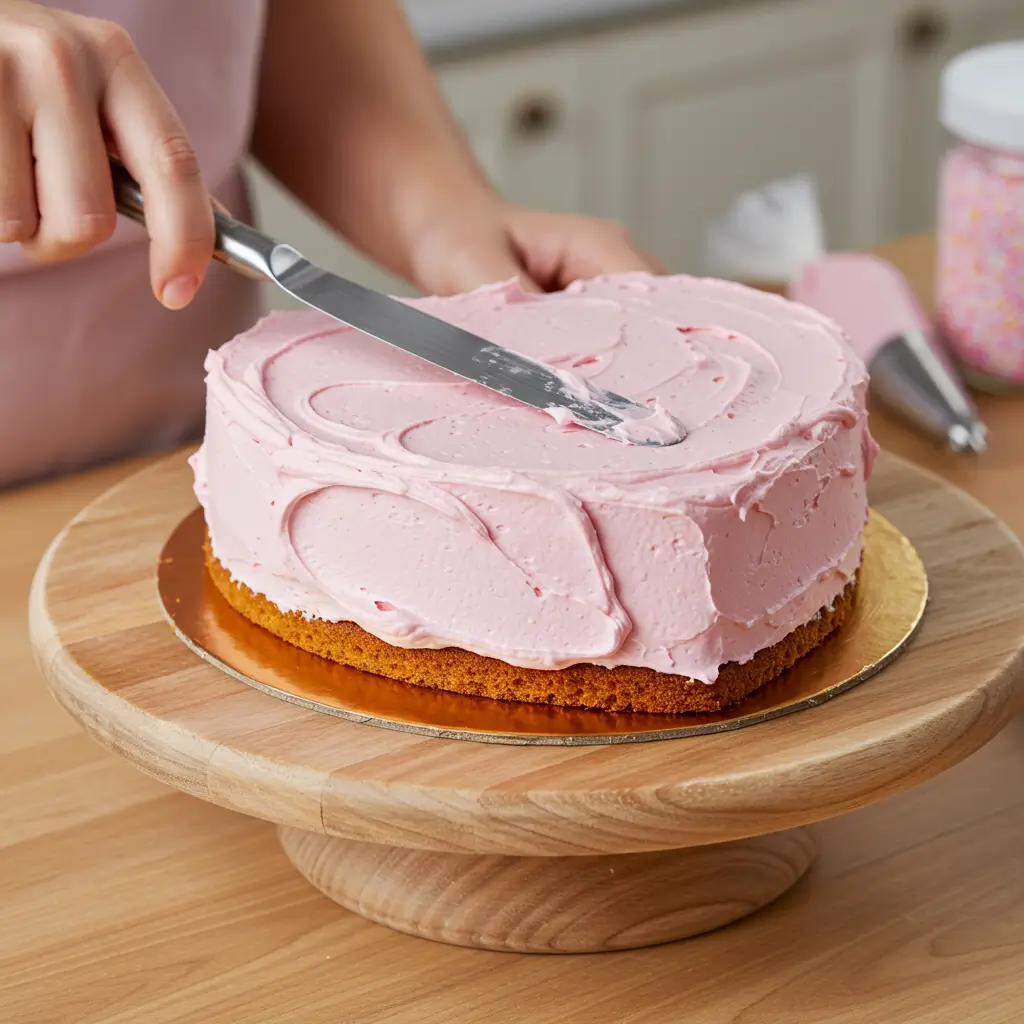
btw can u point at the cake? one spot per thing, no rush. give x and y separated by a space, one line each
386 514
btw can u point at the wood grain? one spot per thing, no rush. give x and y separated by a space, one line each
127 902
552 904
112 661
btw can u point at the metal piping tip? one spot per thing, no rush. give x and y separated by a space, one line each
972 438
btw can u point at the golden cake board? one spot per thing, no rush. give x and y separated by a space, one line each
892 592
545 848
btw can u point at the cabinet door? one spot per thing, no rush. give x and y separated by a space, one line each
927 36
524 114
703 107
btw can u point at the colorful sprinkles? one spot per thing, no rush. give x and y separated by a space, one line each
980 285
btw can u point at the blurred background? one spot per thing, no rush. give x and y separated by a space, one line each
659 113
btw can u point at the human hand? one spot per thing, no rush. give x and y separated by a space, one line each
496 241
74 88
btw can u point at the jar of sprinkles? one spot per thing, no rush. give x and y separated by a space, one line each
980 279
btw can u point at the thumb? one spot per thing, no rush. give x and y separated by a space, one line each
470 264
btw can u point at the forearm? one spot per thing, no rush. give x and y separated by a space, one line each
351 121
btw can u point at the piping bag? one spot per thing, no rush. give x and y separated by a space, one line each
774 236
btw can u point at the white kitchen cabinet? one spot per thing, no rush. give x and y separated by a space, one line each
527 116
927 36
700 109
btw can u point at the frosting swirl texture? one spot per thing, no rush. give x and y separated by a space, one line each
346 480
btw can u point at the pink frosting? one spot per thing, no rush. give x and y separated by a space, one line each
348 481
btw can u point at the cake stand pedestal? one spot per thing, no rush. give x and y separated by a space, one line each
532 848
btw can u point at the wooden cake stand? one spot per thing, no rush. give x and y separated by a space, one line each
532 848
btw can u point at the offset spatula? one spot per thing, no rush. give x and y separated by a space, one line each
568 398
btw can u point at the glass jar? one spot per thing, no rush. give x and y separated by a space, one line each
980 276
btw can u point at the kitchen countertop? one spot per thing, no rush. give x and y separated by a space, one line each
126 901
444 26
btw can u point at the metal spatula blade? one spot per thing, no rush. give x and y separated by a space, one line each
500 369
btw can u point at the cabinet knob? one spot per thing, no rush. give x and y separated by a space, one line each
924 31
533 117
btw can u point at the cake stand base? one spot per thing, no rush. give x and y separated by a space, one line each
552 904
536 847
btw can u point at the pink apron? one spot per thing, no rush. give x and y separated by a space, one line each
91 366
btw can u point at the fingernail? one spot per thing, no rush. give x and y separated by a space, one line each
177 294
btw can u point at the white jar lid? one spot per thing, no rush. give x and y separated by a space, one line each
983 96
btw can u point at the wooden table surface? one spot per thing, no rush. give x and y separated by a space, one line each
122 900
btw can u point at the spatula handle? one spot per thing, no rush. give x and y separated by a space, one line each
237 245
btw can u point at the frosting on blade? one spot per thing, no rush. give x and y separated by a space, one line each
636 424
660 427
346 480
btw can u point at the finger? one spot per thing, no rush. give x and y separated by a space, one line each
73 192
462 266
486 265
558 250
153 143
602 249
19 216
657 265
